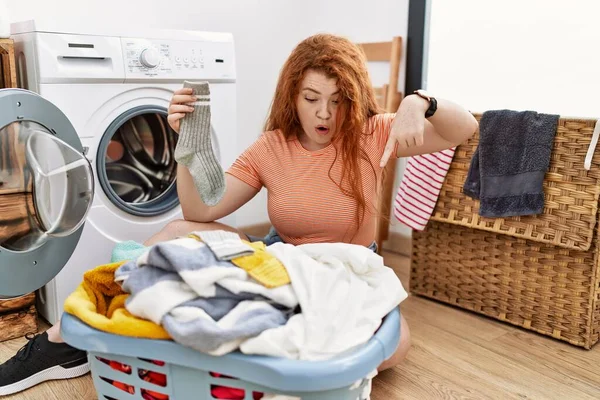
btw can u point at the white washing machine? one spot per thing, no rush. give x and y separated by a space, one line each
115 87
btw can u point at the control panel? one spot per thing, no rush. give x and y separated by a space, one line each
177 59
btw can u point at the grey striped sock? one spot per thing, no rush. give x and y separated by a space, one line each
194 147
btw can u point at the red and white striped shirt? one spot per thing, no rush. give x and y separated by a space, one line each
420 187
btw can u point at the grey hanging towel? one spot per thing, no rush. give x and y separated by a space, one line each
508 167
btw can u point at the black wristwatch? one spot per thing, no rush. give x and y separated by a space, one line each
432 102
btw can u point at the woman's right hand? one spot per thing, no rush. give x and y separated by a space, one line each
179 106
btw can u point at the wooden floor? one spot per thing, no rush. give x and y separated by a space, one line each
455 355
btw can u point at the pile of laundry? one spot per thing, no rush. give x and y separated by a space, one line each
215 293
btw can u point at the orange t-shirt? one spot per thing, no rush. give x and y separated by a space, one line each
304 204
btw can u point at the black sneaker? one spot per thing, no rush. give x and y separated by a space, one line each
41 360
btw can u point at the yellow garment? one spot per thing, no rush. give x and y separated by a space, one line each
100 302
263 266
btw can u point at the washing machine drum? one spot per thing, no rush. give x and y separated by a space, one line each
46 190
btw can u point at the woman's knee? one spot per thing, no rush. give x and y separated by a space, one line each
173 229
405 339
178 227
402 350
181 227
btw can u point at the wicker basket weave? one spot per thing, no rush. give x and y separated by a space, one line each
571 193
534 285
538 272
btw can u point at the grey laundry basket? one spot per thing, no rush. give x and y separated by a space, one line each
188 372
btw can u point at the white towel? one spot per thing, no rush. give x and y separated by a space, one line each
344 291
420 187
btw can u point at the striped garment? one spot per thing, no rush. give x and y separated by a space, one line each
305 205
203 303
420 187
225 245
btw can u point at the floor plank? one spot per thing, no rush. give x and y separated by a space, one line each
512 374
458 354
455 354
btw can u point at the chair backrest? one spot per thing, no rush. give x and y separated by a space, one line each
390 52
389 98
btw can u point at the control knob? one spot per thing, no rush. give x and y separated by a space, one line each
150 58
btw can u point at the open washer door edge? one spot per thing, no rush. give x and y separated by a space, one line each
46 191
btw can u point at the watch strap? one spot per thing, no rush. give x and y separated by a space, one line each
432 107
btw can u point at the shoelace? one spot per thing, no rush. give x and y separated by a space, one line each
24 351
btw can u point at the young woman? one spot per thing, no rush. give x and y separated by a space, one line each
320 158
322 152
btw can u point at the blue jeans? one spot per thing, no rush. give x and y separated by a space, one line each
273 237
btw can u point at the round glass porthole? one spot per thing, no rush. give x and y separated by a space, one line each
135 162
46 186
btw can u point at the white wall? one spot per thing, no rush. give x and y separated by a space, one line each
517 54
265 32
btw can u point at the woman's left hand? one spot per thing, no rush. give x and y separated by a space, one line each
408 127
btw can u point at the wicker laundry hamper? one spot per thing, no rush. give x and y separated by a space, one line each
539 272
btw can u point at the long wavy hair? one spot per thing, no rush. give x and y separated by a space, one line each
339 58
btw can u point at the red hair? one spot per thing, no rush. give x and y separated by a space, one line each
338 58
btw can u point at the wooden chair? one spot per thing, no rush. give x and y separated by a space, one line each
8 72
389 98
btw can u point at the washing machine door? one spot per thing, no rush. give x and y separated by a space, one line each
46 190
